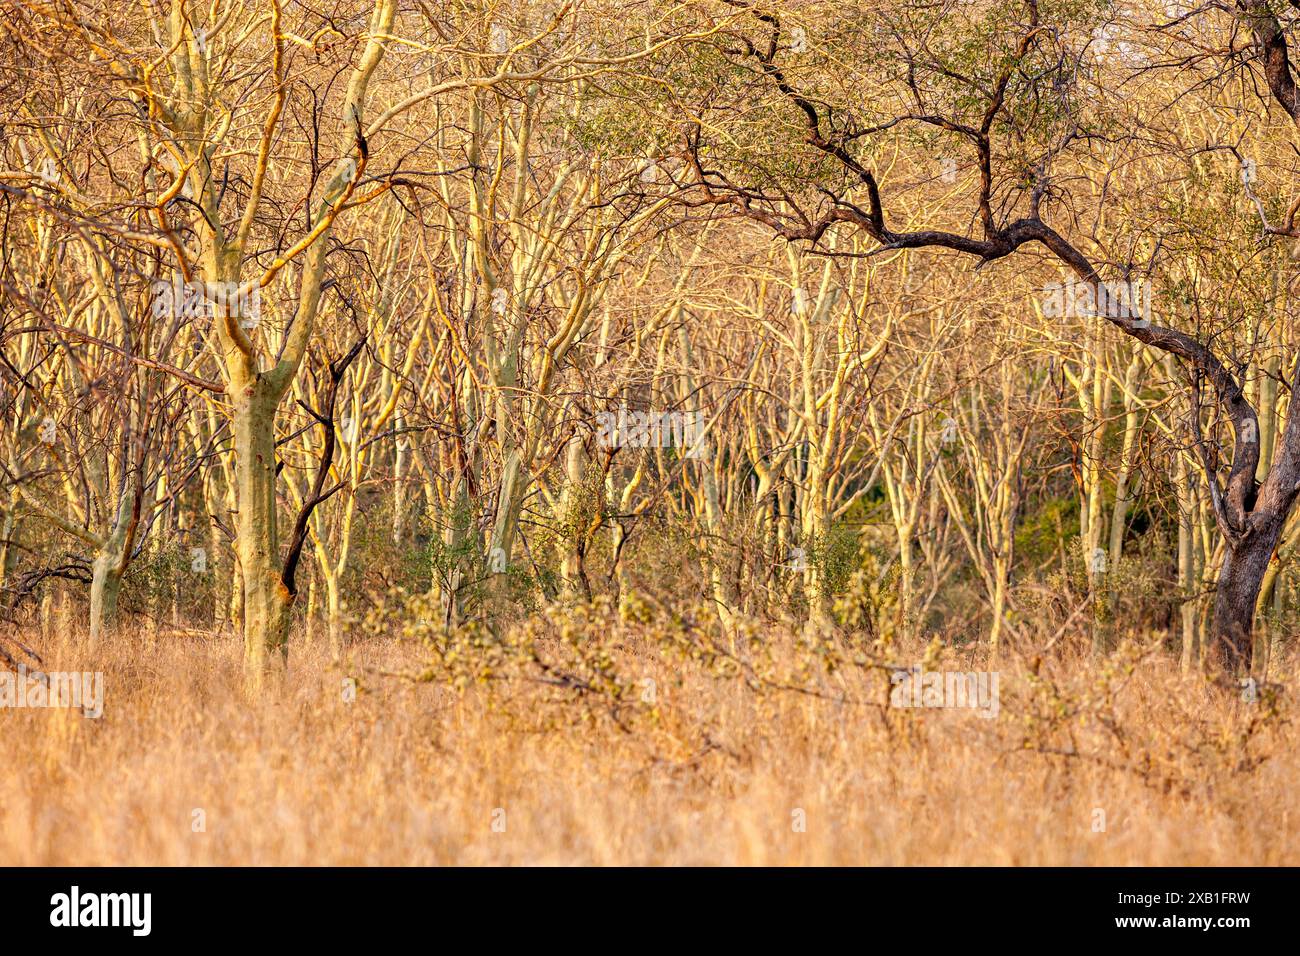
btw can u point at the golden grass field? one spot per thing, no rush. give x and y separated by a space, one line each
416 772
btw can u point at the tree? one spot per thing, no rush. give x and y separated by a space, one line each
1014 90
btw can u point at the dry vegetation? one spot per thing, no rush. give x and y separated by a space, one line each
506 431
412 771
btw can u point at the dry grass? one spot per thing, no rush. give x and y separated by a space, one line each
411 773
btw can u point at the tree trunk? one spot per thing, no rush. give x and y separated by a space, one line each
267 601
310 632
1188 573
1240 579
507 512
105 584
334 615
110 564
9 549
998 603
575 520
400 469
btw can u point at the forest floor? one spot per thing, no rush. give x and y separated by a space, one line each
1123 763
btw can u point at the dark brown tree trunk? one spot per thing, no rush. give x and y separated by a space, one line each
1240 579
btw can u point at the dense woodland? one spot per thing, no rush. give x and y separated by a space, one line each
964 320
